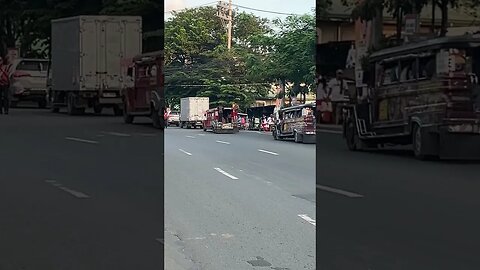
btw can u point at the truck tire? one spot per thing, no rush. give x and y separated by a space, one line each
71 110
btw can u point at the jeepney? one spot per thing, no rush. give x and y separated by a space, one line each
221 120
297 122
424 94
145 98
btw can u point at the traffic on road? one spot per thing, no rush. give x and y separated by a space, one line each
238 201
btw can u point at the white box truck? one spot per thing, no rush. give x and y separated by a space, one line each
90 56
192 111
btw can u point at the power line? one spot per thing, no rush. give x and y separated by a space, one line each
210 85
266 11
243 7
173 10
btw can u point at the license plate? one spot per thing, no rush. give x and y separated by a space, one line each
465 128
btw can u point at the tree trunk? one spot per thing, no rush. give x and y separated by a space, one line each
444 26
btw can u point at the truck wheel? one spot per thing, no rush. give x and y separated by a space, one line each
71 110
418 142
117 111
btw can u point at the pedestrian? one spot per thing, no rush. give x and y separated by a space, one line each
5 74
337 92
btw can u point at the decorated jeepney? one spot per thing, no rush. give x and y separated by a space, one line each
424 94
222 119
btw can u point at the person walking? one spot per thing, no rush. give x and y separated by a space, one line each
337 91
5 68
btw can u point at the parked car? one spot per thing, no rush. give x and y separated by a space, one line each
29 82
174 119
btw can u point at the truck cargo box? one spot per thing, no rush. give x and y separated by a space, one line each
192 109
90 53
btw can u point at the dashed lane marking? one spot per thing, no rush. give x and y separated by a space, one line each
339 191
185 152
117 134
268 152
77 194
225 173
308 219
223 142
80 140
190 137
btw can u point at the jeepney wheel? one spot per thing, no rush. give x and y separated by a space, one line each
128 119
418 142
156 119
298 137
351 136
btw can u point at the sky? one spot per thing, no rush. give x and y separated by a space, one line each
282 6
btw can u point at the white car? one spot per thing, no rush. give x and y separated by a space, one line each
29 81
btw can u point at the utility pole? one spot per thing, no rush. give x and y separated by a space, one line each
225 12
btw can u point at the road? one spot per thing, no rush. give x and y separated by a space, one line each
79 192
391 211
238 201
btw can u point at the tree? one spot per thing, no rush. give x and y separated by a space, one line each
287 56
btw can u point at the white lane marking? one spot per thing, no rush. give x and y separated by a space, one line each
308 219
201 134
80 140
196 238
268 152
118 134
147 134
225 173
329 131
190 137
185 152
75 193
339 191
222 142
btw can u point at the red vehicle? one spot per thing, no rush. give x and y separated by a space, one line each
145 97
221 120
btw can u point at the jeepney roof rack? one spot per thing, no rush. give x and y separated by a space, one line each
295 107
466 41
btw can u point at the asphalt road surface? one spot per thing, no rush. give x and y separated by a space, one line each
79 193
238 201
388 210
